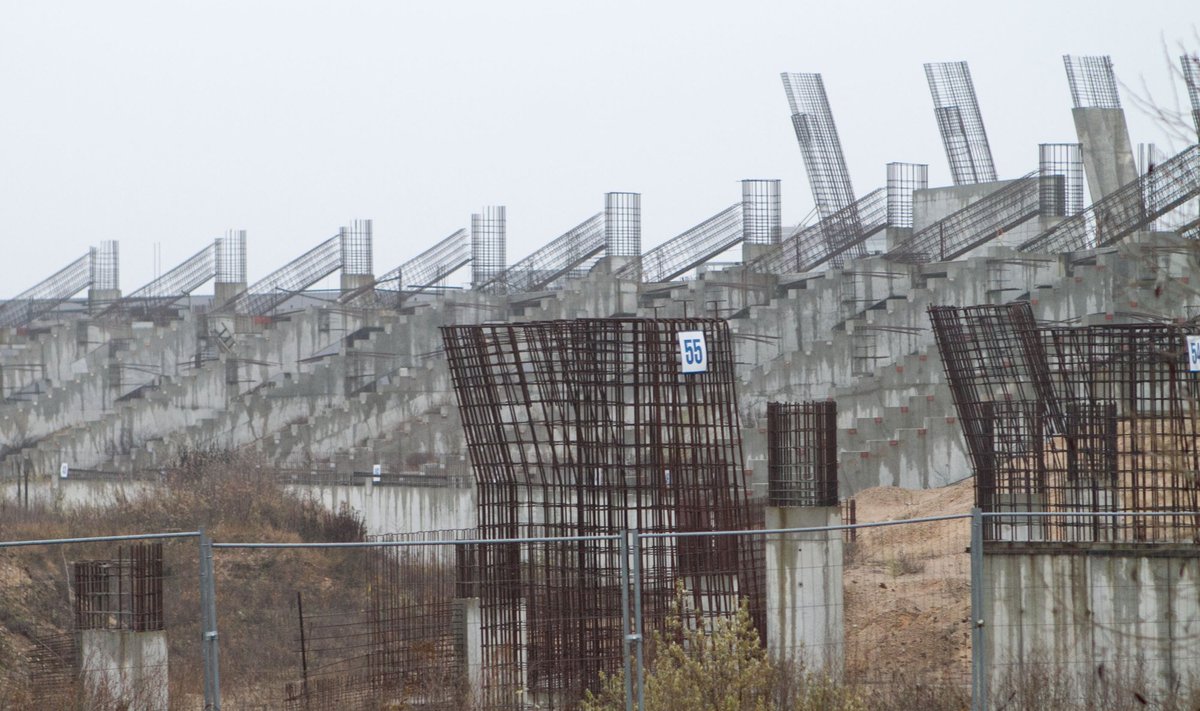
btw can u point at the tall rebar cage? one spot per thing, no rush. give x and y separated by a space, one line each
1093 83
1190 65
902 180
812 120
488 235
589 427
106 265
356 248
761 218
960 123
802 453
1064 419
231 257
623 224
1060 169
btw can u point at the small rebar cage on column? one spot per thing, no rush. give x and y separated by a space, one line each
902 180
802 453
231 258
761 222
1060 169
488 230
106 265
1093 83
356 248
623 224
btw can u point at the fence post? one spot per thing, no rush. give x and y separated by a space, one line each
626 636
208 625
979 681
636 538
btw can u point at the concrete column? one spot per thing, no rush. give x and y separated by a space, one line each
1107 152
468 641
804 588
125 669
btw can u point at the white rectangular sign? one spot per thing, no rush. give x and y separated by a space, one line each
1193 348
376 473
693 352
64 471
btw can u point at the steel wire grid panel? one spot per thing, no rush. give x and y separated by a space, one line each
488 230
356 248
902 180
685 252
1060 168
556 259
802 453
1131 208
101 625
975 224
427 270
152 300
231 257
960 123
761 221
623 224
1093 83
26 307
829 239
1091 418
1190 64
588 427
297 275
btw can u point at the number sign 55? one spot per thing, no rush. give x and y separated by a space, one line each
693 352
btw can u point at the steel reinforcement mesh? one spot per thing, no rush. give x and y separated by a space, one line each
590 427
1090 418
802 453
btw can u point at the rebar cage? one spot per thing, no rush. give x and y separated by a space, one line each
590 427
125 593
488 230
231 257
761 220
1190 64
1092 418
623 224
1060 169
902 180
802 453
960 123
1093 83
106 266
356 248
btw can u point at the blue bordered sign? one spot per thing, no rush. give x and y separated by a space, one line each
693 352
1193 348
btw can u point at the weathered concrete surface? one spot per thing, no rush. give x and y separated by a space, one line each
124 669
805 611
1077 616
1107 151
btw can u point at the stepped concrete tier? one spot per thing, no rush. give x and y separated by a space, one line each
349 387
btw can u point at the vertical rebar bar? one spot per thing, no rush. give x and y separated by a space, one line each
979 686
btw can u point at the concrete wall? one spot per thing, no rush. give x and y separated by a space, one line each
1129 613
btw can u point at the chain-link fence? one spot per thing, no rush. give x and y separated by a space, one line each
917 612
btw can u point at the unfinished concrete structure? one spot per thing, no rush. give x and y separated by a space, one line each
330 385
1097 418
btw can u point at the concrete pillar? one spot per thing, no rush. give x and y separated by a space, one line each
804 588
1107 152
125 669
468 641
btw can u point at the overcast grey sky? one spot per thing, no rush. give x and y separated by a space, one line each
170 122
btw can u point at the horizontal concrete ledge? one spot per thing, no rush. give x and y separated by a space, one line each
1093 548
